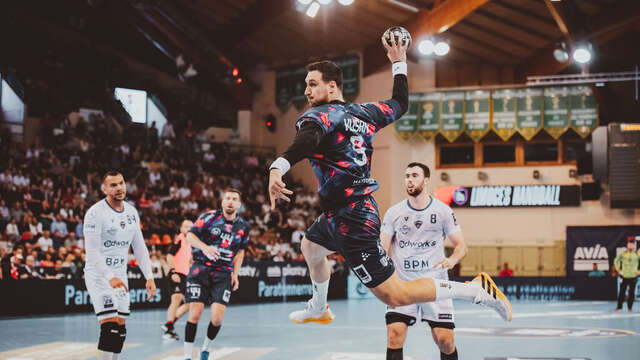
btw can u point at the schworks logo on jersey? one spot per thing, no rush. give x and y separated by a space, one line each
415 244
584 257
111 243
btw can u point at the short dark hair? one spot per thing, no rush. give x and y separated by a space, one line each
425 168
329 70
110 173
233 190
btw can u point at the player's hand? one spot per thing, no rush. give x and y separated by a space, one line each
396 52
151 289
235 283
117 283
277 189
211 252
445 263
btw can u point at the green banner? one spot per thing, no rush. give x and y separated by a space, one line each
429 115
290 83
452 115
556 111
477 117
407 125
584 110
529 112
503 117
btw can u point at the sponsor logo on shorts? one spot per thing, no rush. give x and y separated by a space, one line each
107 302
445 316
362 274
364 256
226 296
194 290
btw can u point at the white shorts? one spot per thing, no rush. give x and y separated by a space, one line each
107 301
434 313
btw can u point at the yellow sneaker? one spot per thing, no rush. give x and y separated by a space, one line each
492 297
310 314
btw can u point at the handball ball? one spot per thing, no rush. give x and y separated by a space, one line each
398 32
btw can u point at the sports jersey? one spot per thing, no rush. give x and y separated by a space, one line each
108 235
228 236
418 237
181 251
342 160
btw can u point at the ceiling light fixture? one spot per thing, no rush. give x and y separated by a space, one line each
583 53
312 11
305 2
441 48
346 2
560 53
425 47
324 2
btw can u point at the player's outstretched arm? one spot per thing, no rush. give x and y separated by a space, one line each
397 54
210 251
304 144
141 253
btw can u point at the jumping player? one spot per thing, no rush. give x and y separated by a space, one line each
337 139
110 226
179 259
413 233
219 239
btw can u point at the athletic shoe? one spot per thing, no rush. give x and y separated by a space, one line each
310 314
492 297
170 334
617 309
204 355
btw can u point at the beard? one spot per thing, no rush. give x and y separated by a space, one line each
416 191
229 211
315 102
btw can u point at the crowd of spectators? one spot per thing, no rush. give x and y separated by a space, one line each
171 175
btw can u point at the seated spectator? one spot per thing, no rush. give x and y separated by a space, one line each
28 271
45 241
12 232
506 271
59 231
59 272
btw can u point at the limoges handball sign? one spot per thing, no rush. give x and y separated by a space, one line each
516 196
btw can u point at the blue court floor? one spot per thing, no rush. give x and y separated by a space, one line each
554 330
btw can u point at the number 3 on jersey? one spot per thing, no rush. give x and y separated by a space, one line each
357 142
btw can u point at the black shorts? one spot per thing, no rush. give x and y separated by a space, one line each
394 317
178 287
208 286
354 232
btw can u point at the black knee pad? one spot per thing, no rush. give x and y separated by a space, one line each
123 336
109 337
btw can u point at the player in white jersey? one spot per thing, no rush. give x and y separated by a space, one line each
413 232
110 226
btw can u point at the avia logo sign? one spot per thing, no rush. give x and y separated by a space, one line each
585 258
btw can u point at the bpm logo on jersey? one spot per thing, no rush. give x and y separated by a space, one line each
415 264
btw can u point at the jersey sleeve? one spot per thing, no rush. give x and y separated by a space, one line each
387 222
383 113
200 226
450 224
141 252
318 117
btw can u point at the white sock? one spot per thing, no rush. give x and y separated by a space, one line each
206 343
105 355
319 299
188 350
114 356
446 289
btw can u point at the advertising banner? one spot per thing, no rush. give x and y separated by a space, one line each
504 113
407 125
589 246
516 196
259 282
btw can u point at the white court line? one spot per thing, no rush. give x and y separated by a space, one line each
609 316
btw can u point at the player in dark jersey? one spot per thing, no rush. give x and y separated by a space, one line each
219 239
337 139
